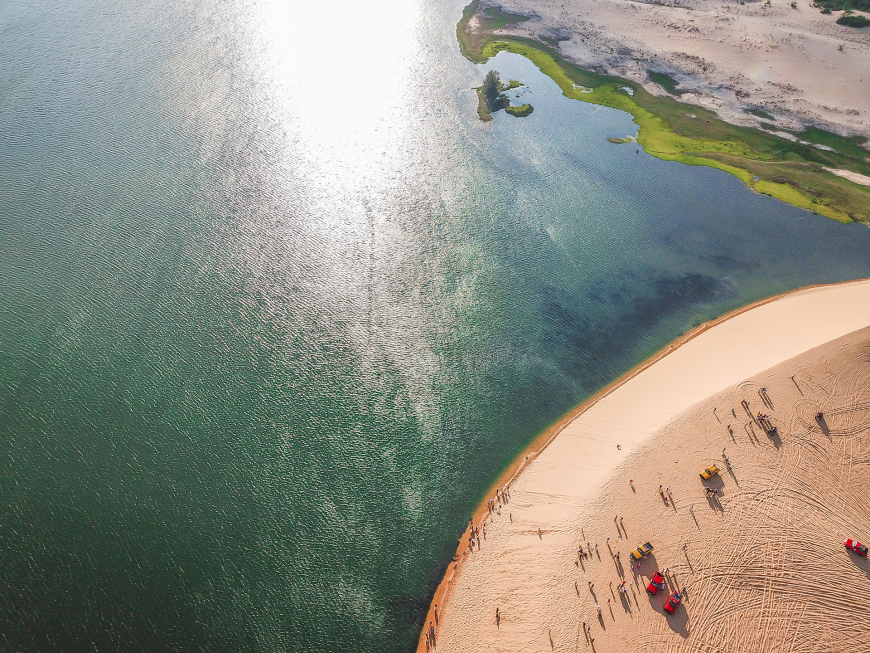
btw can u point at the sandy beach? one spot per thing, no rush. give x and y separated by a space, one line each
762 564
792 62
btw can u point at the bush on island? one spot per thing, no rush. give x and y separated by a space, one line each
521 111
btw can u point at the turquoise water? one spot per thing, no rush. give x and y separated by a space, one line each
276 308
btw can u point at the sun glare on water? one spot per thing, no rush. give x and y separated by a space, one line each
340 76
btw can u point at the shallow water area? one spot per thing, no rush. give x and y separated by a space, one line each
264 343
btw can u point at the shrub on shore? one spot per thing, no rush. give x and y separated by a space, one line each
852 20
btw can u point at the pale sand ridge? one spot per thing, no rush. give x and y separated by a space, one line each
662 415
856 177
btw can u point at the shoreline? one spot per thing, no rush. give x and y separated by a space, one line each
548 436
791 167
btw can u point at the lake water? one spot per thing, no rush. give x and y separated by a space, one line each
276 308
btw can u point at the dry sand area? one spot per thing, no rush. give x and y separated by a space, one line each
762 565
795 63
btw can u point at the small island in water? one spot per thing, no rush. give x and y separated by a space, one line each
491 98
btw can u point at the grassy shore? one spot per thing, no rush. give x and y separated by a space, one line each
791 171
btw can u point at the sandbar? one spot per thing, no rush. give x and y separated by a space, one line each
751 560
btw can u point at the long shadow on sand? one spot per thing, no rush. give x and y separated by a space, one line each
677 622
862 563
774 438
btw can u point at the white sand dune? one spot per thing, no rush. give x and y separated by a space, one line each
764 566
793 62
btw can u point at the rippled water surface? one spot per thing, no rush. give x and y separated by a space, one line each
275 308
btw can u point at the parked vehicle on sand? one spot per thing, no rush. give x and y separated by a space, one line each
641 552
673 602
856 546
656 583
711 471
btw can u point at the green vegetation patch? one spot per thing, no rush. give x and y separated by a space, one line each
760 113
666 82
793 172
853 20
493 18
554 40
520 111
483 111
491 98
843 5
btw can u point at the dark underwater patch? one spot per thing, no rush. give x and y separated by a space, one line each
593 349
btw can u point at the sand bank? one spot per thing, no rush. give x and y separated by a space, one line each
659 426
856 177
794 63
